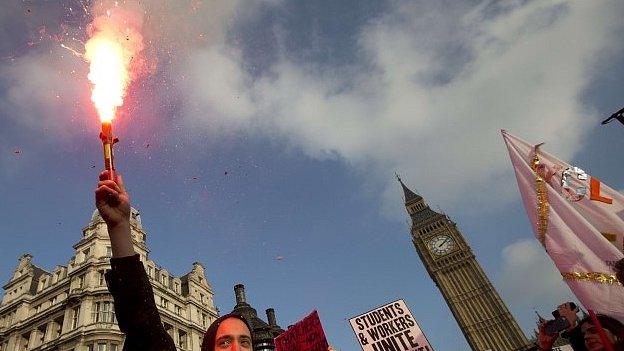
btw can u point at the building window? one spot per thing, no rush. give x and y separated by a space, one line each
201 297
204 320
109 251
41 332
57 327
164 303
101 346
89 347
103 312
75 317
182 339
101 281
176 287
178 310
80 281
113 347
24 341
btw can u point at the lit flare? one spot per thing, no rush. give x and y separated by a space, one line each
109 74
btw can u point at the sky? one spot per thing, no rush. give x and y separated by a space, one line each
263 138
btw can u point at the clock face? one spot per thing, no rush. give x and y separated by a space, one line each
441 245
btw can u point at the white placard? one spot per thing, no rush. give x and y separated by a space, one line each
391 327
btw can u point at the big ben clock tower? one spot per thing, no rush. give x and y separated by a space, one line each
481 314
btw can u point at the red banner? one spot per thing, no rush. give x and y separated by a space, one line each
306 335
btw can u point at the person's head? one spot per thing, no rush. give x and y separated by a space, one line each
614 330
230 332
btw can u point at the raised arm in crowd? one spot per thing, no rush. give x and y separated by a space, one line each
132 292
127 281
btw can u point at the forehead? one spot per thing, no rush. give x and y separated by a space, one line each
589 326
233 327
586 326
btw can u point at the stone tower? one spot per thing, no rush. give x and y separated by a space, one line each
481 314
263 332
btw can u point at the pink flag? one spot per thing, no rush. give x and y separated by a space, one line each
578 220
305 335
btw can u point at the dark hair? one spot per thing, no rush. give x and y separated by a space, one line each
612 325
210 335
619 270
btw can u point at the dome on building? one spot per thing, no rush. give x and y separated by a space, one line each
135 217
95 218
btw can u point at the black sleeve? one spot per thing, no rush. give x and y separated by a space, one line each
576 339
135 308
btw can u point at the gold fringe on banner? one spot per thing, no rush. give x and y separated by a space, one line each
542 198
596 277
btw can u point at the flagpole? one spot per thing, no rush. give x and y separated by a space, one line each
619 115
603 336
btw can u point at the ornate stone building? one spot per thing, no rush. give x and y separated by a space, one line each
70 307
263 332
481 314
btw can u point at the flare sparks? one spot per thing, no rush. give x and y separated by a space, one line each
114 54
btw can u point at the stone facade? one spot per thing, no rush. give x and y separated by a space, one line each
70 308
482 316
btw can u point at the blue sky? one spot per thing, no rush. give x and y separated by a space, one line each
272 129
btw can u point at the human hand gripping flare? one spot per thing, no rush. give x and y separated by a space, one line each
113 203
112 200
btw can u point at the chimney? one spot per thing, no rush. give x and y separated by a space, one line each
271 317
239 291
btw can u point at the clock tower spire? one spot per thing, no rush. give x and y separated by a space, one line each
481 314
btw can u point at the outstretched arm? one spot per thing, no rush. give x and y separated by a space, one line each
113 203
135 308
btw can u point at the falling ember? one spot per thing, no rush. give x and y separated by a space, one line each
76 53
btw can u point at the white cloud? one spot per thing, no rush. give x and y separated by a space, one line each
528 276
39 94
418 110
441 80
528 281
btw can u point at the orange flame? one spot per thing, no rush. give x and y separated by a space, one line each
114 53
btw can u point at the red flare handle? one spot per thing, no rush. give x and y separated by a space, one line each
106 135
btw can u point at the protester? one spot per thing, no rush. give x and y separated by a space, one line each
583 335
135 307
613 330
572 333
229 332
132 292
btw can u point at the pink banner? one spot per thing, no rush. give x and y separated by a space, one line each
578 220
306 335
